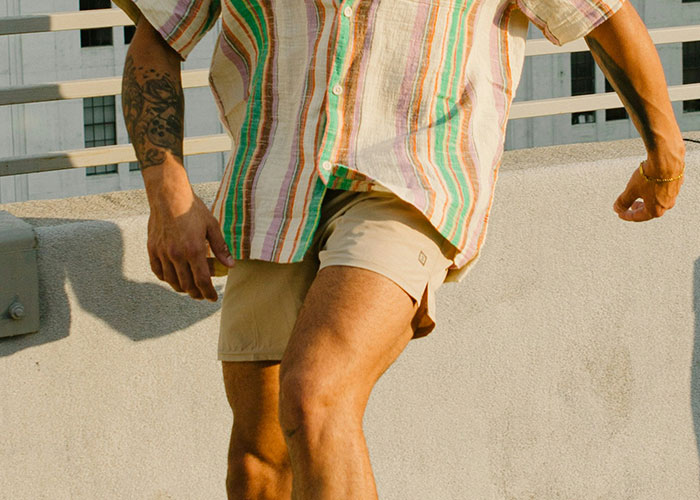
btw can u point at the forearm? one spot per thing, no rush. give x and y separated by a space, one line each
624 51
153 106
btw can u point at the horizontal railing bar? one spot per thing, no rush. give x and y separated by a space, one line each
103 155
105 18
674 34
62 21
589 102
77 89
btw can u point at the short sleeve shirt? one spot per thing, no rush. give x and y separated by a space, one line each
409 96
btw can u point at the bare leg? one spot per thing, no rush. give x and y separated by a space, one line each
258 462
354 323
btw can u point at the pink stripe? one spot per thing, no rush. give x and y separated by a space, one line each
240 64
403 106
273 92
285 195
371 21
179 13
589 10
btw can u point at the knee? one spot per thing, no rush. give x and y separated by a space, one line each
308 401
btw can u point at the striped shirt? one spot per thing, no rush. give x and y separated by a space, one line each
410 96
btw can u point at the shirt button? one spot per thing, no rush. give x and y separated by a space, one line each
337 90
327 165
347 12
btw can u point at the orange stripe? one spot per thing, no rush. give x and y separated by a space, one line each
183 28
470 14
309 187
509 95
415 113
246 29
467 119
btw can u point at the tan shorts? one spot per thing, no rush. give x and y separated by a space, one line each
372 230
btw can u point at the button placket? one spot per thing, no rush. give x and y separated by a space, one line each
335 88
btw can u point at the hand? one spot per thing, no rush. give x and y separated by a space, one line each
656 197
178 231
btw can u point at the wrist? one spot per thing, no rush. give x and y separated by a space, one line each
168 188
667 159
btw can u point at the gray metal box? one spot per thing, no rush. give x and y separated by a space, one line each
19 279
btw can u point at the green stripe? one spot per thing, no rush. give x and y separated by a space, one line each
248 135
449 76
453 148
214 10
314 216
342 43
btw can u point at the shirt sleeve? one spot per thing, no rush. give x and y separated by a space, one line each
181 23
562 21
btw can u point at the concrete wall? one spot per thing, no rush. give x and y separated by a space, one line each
565 366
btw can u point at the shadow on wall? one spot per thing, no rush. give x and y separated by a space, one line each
695 368
138 310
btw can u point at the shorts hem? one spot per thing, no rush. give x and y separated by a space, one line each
379 269
250 356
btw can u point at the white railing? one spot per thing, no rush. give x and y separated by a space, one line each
76 89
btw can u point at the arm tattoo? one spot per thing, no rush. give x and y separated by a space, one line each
628 94
153 112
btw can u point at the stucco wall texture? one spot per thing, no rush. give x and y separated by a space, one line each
565 366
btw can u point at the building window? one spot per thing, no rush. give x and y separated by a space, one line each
100 128
129 34
133 166
691 72
582 82
689 1
96 37
614 113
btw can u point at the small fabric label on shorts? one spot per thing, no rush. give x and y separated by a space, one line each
422 258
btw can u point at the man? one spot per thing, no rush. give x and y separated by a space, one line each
367 139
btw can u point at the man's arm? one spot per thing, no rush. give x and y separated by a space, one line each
624 51
180 224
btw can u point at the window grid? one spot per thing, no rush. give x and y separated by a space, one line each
691 72
614 113
99 120
96 37
582 82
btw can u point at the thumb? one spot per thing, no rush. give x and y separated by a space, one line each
625 200
218 245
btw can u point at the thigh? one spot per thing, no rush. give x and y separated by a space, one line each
353 324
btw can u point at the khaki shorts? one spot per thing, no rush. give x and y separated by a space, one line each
372 230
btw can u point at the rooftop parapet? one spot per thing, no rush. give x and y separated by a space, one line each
566 365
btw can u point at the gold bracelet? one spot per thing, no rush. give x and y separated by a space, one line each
650 179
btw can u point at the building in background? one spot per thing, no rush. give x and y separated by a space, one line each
74 124
561 75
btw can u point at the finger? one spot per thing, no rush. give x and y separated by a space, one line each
156 266
184 275
170 276
210 265
218 245
202 279
625 200
636 213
